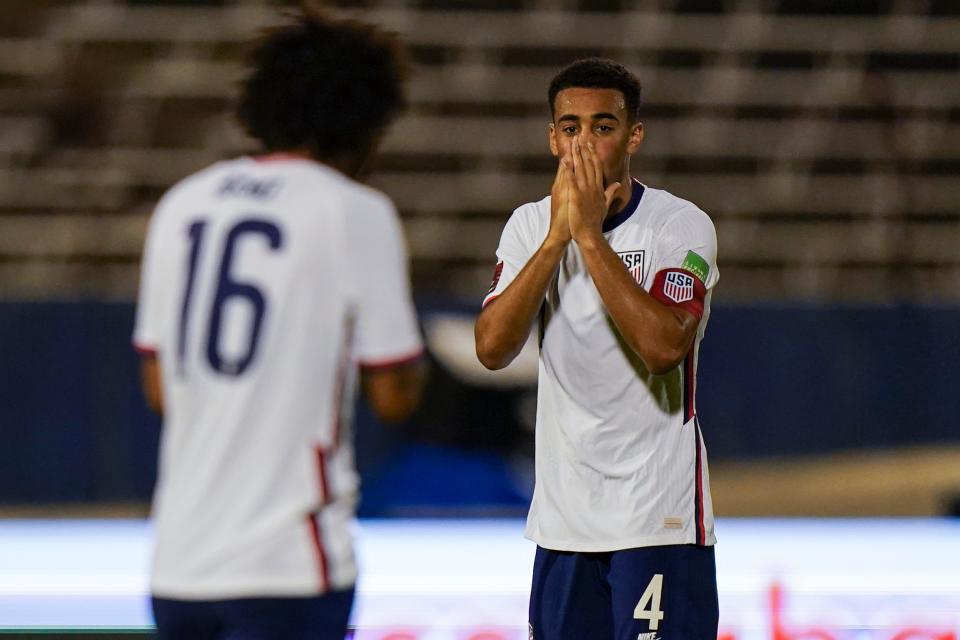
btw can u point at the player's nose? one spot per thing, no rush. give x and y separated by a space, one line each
585 137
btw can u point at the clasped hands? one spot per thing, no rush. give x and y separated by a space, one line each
579 202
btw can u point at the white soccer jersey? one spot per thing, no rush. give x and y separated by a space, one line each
264 283
620 461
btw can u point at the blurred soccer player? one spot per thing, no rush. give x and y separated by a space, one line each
265 281
619 277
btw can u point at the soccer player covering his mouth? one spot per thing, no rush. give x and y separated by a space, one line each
272 287
618 276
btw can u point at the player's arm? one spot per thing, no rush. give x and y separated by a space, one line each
151 302
660 335
504 322
386 337
395 392
150 381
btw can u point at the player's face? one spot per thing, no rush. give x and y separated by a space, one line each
597 116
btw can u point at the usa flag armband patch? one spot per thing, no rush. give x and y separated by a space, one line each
680 288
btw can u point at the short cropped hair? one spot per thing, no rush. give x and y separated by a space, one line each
598 73
323 84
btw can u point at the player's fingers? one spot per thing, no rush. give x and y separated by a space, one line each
587 164
590 161
579 172
564 185
559 175
597 167
559 178
569 181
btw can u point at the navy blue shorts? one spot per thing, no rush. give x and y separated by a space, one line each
311 618
650 593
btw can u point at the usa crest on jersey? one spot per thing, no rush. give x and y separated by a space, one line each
633 260
678 286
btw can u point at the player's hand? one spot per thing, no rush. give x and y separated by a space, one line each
559 204
589 201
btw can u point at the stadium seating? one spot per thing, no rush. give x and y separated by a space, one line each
824 146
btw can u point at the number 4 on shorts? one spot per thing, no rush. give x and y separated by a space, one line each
649 606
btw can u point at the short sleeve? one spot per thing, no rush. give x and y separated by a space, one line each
147 331
685 261
516 247
387 333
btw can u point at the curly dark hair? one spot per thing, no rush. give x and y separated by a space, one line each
328 85
598 73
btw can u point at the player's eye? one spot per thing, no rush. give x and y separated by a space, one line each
570 131
604 128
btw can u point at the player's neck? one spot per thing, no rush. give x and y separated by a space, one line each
351 165
622 197
276 156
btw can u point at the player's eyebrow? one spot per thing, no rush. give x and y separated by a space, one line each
603 115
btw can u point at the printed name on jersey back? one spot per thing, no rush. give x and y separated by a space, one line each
248 187
633 260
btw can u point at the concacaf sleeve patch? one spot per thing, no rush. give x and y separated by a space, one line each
680 288
696 265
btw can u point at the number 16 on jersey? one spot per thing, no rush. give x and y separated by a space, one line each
227 288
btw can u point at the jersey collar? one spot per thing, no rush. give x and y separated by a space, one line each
612 222
281 156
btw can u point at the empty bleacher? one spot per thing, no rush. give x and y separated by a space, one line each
825 145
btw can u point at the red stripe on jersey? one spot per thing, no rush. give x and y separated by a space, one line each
376 365
680 288
322 565
497 272
145 350
689 385
322 472
340 383
698 506
489 300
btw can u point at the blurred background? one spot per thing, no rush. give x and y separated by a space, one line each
822 136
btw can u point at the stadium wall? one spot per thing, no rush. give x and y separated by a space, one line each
775 381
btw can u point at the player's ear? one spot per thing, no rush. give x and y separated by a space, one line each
636 138
552 138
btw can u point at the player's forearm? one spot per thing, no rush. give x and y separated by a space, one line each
394 394
504 324
656 333
151 381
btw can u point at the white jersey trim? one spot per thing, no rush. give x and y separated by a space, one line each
619 545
